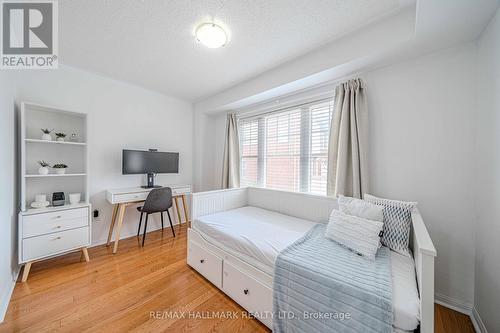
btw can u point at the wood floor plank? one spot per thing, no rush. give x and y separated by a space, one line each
138 290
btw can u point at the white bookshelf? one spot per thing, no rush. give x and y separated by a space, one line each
34 117
53 230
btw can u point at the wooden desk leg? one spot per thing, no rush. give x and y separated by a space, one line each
112 224
26 271
177 208
121 213
85 253
185 208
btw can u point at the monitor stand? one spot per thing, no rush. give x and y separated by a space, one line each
151 181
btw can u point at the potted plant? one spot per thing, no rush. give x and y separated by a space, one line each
60 168
60 136
44 168
46 134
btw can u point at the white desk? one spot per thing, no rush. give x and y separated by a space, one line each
123 197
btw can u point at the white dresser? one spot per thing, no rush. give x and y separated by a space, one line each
53 231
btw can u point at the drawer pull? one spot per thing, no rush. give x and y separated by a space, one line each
58 217
58 227
202 261
57 238
245 291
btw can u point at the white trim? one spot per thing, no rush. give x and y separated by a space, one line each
453 303
4 303
133 233
478 322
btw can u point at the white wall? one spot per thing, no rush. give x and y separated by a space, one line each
8 212
421 142
120 116
487 175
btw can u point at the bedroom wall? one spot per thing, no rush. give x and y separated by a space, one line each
421 142
120 116
8 212
487 175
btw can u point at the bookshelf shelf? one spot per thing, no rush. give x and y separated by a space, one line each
56 142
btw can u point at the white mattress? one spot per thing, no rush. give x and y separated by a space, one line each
258 235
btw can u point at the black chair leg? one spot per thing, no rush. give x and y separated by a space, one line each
145 228
140 222
171 226
161 213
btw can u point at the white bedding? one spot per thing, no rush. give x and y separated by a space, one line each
255 233
257 236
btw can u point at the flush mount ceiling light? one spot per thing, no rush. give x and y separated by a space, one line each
211 35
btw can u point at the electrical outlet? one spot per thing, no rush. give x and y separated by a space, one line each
96 214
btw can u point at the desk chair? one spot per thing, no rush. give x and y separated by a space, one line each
159 200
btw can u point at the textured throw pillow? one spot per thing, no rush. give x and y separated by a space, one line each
397 222
357 234
361 208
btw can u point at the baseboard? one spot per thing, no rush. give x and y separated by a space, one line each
131 234
478 322
453 303
4 302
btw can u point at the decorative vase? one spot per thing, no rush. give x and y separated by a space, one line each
43 170
60 139
74 198
60 171
46 137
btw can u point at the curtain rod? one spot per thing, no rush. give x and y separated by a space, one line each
293 106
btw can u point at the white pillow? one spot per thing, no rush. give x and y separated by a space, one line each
356 233
361 208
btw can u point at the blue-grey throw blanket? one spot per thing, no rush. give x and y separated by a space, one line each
320 286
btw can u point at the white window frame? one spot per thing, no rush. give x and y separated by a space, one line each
305 144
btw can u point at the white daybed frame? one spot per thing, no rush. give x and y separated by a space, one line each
251 287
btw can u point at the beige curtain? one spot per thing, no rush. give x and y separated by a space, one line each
231 162
347 171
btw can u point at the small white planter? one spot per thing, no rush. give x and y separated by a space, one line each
60 171
46 137
43 170
60 139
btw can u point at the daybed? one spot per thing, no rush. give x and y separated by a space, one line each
237 234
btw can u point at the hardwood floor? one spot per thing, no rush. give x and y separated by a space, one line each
138 289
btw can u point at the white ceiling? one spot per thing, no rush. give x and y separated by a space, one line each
150 42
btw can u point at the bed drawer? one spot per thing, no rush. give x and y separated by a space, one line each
40 224
47 245
205 262
248 292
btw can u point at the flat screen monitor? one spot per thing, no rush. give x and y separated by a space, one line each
149 162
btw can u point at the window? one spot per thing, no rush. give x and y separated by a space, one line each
287 149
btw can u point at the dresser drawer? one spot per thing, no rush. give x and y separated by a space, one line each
40 224
47 245
248 292
205 262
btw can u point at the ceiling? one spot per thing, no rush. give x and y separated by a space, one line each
150 42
